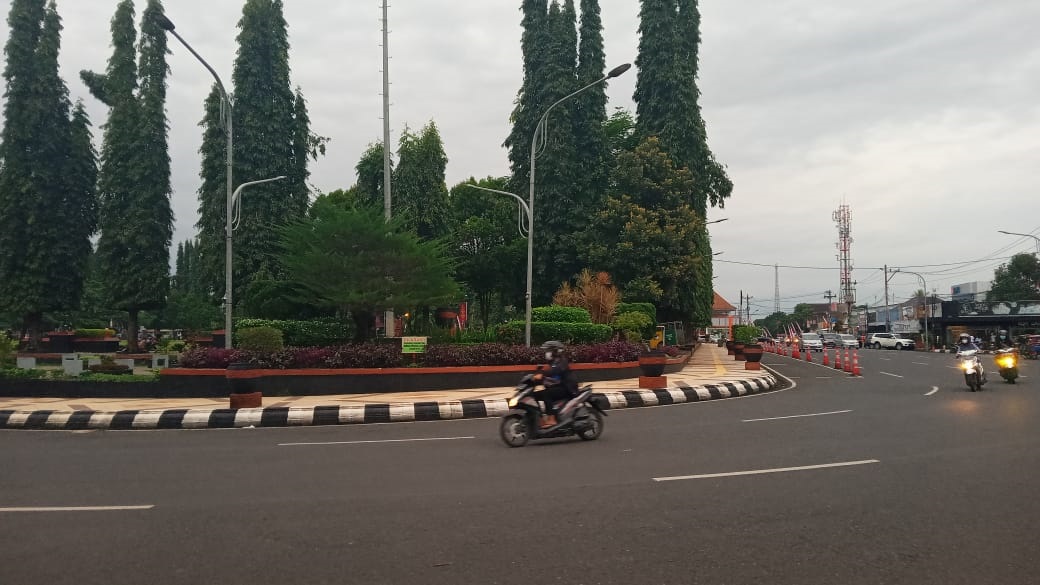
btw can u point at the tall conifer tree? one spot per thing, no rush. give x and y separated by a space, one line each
420 193
136 218
46 187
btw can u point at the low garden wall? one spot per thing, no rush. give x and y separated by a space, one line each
212 383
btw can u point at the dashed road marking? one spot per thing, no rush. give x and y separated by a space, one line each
893 375
934 390
762 471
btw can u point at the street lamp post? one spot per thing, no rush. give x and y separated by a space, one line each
539 135
924 287
227 120
1037 238
524 209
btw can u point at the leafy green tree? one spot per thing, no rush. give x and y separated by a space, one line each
1018 280
667 105
369 171
47 211
645 235
353 261
619 131
272 137
776 323
136 218
490 253
212 197
420 196
590 109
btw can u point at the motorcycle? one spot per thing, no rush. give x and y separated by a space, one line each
579 416
971 365
1007 364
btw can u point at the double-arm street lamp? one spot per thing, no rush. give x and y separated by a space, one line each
1037 238
538 141
226 119
927 305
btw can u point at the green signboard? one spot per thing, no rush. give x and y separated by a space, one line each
413 345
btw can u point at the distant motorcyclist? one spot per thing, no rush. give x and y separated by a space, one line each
558 383
965 343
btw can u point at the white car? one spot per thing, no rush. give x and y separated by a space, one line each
848 341
890 341
811 341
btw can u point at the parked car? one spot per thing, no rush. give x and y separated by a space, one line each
811 341
830 339
890 341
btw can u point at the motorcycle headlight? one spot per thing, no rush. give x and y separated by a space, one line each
513 402
965 365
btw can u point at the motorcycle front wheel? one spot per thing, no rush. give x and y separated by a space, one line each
592 427
515 430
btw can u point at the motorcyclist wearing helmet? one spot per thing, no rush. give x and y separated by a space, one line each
965 343
559 383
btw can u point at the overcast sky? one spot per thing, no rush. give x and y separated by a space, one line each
923 116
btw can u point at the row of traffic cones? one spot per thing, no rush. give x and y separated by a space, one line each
850 363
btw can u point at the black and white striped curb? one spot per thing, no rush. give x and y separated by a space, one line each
355 414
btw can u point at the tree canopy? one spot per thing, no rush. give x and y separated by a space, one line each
1018 280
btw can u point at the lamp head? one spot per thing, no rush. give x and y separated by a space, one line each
164 23
618 70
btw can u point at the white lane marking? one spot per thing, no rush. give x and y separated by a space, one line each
376 441
887 359
893 375
762 471
954 367
797 416
934 390
76 508
920 363
823 377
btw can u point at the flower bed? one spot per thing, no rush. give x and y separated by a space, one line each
384 355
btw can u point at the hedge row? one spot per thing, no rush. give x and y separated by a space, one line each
647 308
323 332
570 333
384 355
560 314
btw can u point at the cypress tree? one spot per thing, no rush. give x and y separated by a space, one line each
45 210
265 129
529 101
370 175
667 100
420 194
591 108
212 192
134 181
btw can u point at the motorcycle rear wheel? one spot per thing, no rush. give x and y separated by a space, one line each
515 430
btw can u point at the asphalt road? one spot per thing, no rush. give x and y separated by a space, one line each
899 477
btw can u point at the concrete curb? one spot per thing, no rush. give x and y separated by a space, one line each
223 418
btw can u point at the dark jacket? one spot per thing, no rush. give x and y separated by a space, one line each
560 372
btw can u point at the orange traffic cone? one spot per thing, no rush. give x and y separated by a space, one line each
826 360
808 354
855 363
795 353
837 359
848 362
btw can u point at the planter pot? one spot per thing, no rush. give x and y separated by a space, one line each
652 363
738 351
753 354
61 342
729 347
243 387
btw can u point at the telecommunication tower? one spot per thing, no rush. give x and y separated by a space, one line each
843 217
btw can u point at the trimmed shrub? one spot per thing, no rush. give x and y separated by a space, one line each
315 333
13 374
646 308
746 333
560 314
569 333
174 345
261 339
95 333
8 349
209 357
634 322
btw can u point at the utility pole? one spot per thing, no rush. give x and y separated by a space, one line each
888 321
829 296
740 309
749 311
386 114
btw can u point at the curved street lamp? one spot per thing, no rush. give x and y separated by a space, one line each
538 138
924 287
1037 238
226 119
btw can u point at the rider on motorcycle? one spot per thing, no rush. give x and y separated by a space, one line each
964 343
558 383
